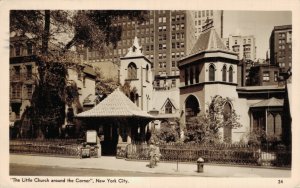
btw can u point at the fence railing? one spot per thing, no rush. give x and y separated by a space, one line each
60 147
221 154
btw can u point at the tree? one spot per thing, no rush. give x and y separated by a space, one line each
205 128
62 29
104 86
90 28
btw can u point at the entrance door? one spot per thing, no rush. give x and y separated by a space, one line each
109 145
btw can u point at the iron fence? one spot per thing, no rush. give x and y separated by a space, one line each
236 154
60 147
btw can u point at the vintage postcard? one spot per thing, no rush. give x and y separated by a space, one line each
132 94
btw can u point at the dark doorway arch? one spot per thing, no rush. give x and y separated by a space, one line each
192 106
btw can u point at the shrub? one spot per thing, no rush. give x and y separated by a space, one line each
169 132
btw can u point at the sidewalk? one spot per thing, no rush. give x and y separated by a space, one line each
111 163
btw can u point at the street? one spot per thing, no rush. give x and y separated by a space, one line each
35 170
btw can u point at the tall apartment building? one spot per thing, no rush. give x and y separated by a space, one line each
243 45
281 47
165 38
200 19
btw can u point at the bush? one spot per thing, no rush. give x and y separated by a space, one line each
168 132
201 130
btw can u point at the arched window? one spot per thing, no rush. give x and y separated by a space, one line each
147 73
168 108
230 74
227 110
132 71
224 73
211 73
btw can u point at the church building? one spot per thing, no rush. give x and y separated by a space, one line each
210 72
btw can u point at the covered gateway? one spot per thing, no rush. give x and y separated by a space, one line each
119 121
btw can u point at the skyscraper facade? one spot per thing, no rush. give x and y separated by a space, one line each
243 45
281 47
166 37
200 19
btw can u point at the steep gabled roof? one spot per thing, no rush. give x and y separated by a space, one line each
209 40
172 102
117 104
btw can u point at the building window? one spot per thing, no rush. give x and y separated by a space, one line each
224 73
182 44
168 108
29 71
132 71
173 36
211 73
174 82
159 56
17 50
182 26
17 72
29 90
160 46
230 74
16 91
173 63
164 19
160 64
29 49
173 54
164 28
266 76
159 28
275 76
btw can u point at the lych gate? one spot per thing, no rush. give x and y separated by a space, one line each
118 121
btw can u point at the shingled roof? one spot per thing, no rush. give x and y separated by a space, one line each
209 40
117 104
272 102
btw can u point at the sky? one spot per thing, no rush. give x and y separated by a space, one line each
257 23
